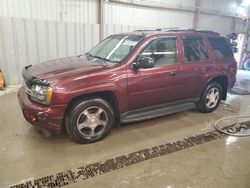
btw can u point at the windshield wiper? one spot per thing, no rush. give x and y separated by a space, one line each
102 58
88 54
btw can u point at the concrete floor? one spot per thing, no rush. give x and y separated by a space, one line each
25 154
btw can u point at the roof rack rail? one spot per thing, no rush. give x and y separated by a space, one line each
176 29
194 30
206 31
145 30
159 29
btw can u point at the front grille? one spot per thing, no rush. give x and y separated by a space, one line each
28 91
27 84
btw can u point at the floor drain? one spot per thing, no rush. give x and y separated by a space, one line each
234 126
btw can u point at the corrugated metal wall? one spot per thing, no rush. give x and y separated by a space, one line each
215 23
228 7
84 11
239 26
33 31
147 17
119 28
116 13
26 41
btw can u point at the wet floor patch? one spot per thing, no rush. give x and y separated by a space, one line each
225 108
95 169
239 91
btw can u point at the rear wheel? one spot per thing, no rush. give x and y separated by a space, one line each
89 120
210 98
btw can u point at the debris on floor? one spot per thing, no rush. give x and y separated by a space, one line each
2 83
9 89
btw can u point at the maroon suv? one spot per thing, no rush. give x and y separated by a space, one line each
126 78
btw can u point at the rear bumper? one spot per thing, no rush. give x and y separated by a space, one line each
48 118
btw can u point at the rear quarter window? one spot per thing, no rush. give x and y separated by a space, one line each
221 48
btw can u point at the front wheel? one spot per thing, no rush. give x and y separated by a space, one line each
210 98
89 120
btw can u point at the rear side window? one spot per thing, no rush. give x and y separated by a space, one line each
194 49
221 48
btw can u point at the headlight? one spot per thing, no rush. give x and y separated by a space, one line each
42 94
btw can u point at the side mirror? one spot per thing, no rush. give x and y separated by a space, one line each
143 62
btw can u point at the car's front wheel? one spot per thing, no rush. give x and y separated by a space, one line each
89 120
210 98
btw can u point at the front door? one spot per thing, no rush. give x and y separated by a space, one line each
160 84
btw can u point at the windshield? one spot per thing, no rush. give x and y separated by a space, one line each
115 48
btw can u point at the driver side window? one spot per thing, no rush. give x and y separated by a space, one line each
162 51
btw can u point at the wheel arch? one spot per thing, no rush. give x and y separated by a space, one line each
109 96
222 80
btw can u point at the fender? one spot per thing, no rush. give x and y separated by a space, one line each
120 92
217 77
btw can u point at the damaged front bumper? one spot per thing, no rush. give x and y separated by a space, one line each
48 118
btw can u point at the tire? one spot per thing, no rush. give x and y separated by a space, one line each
205 103
89 120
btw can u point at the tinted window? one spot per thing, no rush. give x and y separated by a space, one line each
221 48
163 51
194 49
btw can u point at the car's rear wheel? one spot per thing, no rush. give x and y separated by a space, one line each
210 98
89 120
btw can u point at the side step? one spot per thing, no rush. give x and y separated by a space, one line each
156 111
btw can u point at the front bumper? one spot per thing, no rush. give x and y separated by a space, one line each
48 118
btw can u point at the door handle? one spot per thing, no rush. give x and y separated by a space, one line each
173 73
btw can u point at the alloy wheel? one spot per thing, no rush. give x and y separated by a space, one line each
212 97
92 121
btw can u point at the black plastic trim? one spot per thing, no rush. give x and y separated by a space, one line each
158 110
32 80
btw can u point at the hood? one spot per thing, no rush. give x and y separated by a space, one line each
63 67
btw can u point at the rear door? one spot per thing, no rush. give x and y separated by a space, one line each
197 66
224 59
